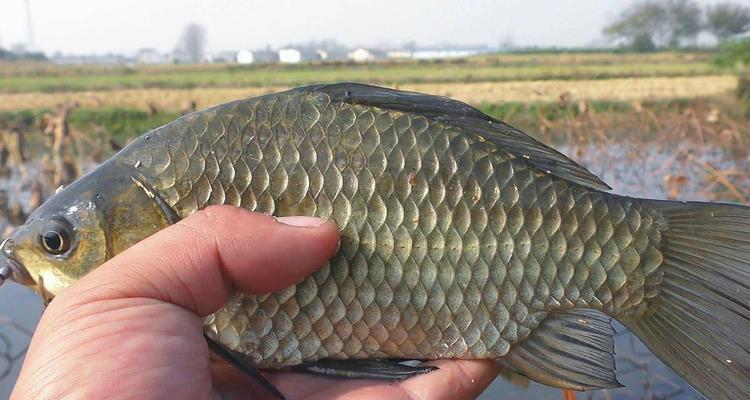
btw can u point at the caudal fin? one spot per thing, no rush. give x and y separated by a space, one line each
700 324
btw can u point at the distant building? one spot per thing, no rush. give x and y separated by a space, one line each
245 57
361 55
399 54
150 56
289 56
103 59
222 57
444 53
321 54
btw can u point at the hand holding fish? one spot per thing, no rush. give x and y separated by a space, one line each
133 329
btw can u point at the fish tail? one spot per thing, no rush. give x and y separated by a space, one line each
699 324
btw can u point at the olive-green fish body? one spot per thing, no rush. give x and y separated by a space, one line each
452 247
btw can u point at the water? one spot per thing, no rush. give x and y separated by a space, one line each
681 170
24 308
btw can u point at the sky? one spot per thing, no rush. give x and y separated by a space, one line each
98 26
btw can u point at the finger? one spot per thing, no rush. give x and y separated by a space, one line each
196 262
454 379
296 386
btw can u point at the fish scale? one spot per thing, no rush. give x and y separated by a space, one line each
451 247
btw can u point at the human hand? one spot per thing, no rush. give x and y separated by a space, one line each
132 327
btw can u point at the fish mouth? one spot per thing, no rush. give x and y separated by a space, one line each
11 269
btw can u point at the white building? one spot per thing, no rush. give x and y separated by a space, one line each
360 55
244 57
289 56
150 56
434 54
398 54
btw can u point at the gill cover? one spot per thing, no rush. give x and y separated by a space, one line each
84 225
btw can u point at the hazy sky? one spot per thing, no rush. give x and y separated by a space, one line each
78 26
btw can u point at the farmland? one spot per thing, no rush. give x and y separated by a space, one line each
490 81
500 68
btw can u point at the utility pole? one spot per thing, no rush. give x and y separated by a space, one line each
30 45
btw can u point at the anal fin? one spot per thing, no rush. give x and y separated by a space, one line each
570 350
379 369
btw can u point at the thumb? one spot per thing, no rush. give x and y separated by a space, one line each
196 262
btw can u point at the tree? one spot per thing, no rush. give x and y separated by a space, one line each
642 22
642 43
661 23
685 19
727 19
192 43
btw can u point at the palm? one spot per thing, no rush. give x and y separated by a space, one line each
158 347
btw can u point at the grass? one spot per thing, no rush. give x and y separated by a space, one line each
534 91
557 110
16 78
620 89
124 124
120 124
9 69
493 78
734 53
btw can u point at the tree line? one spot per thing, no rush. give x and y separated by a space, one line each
657 24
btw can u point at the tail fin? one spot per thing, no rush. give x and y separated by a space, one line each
701 323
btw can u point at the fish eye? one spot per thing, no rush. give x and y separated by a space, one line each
56 237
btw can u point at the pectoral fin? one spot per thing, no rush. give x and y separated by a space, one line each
240 362
380 369
572 350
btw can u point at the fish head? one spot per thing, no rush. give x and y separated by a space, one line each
57 245
80 228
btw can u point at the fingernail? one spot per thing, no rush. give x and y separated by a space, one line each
301 221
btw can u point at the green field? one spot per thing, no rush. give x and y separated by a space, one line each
608 86
485 68
620 119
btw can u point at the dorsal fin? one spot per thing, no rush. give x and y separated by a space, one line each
570 350
470 120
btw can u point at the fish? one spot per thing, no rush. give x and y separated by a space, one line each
461 237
